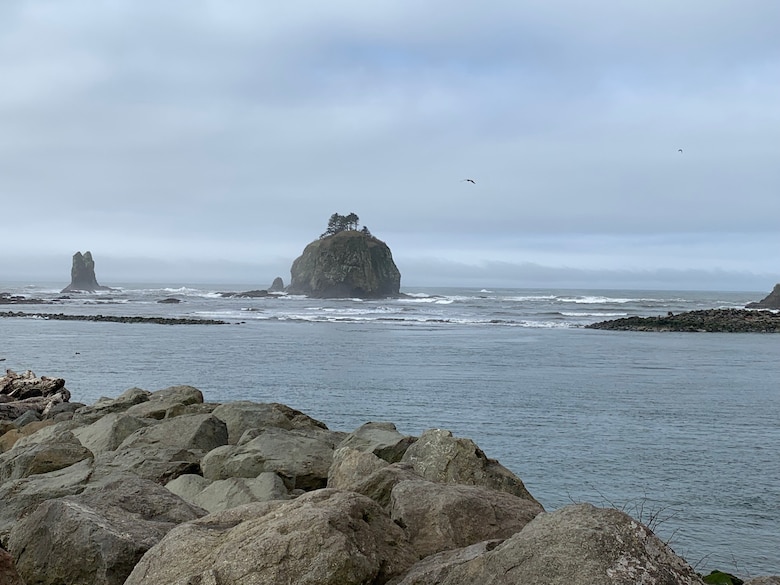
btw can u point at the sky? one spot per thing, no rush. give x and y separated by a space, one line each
195 141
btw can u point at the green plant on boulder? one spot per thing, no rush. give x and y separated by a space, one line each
721 578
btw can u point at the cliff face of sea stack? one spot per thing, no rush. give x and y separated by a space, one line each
771 301
82 275
348 264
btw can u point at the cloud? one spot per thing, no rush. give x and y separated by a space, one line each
231 131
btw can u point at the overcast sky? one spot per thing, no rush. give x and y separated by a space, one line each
210 141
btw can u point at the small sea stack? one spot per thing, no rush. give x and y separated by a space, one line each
82 275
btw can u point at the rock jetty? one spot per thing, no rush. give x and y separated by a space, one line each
82 275
708 320
114 318
164 488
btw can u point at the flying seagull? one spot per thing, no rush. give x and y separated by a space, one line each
679 150
470 181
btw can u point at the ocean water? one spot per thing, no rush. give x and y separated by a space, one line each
681 430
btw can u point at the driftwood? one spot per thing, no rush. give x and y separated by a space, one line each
20 393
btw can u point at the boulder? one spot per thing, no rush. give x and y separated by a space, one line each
107 528
194 432
243 415
277 285
327 537
764 580
82 275
439 457
440 517
771 301
224 494
352 471
348 264
156 463
121 403
435 568
380 438
301 461
108 432
23 460
159 403
21 496
576 545
351 466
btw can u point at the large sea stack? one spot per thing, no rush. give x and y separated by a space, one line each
771 301
82 275
347 264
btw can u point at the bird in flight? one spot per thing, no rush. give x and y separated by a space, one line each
470 181
679 150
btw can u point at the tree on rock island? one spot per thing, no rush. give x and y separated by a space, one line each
340 223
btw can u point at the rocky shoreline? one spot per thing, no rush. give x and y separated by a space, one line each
165 488
708 320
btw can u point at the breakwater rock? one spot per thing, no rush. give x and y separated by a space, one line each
114 318
709 320
164 488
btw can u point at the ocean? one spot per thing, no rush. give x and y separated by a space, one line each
681 430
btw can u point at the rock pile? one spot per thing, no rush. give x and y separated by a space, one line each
163 488
708 320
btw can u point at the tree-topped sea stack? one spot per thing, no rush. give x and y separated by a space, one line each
345 262
82 275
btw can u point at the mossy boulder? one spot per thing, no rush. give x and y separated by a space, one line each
349 264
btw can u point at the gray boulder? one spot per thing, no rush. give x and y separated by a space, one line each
187 486
766 580
439 457
23 460
350 467
155 463
440 517
223 494
108 432
326 537
202 432
575 545
435 568
380 438
20 497
301 461
242 416
98 536
159 403
121 403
